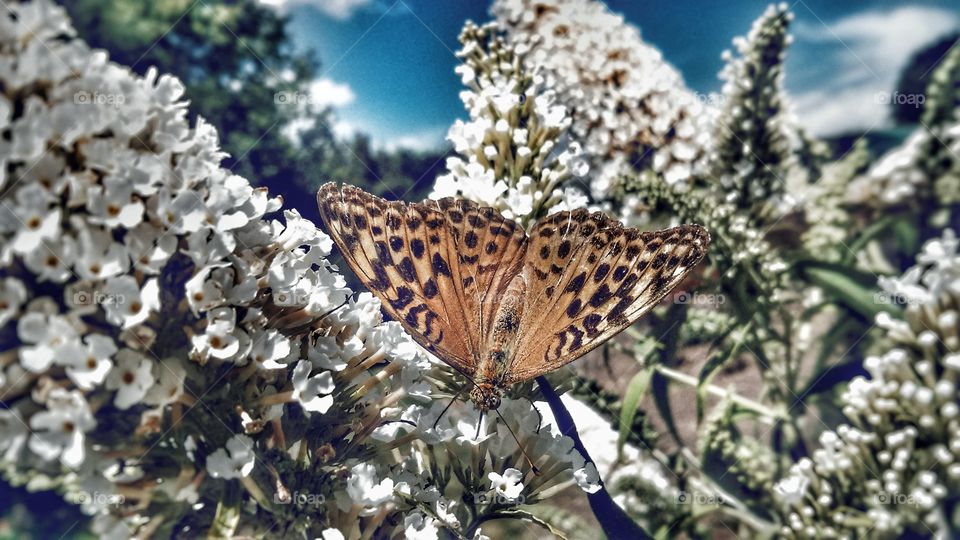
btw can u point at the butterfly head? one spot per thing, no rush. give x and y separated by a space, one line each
485 396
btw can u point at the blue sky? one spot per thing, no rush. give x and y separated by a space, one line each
387 65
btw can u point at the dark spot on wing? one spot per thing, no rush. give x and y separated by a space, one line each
440 267
576 283
407 270
590 323
404 297
601 296
430 288
417 247
601 272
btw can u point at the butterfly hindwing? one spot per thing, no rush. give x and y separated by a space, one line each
594 278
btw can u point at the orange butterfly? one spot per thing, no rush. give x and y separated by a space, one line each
497 305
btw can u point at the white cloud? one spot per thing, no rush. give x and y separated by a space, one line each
329 93
321 93
428 139
337 9
870 49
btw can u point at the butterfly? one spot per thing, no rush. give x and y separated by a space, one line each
497 304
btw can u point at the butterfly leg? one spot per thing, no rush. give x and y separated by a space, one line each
533 405
445 409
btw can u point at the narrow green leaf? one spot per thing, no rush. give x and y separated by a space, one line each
908 236
868 235
635 391
713 364
848 291
659 386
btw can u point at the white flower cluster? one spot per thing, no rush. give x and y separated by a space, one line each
629 107
891 469
925 168
139 278
752 148
513 153
896 178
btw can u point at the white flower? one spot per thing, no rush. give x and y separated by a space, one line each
223 339
114 204
234 461
588 478
12 296
364 488
793 488
13 434
509 485
49 336
312 392
90 364
59 430
169 385
331 534
416 526
127 304
36 220
269 348
99 257
131 377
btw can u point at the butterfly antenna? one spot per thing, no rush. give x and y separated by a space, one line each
447 408
479 423
534 468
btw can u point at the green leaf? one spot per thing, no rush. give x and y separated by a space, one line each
715 362
842 284
865 237
659 386
908 236
628 412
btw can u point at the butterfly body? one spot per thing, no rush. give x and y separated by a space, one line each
496 304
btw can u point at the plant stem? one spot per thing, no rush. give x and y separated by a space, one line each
762 410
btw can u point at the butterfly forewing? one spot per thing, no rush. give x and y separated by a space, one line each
588 278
